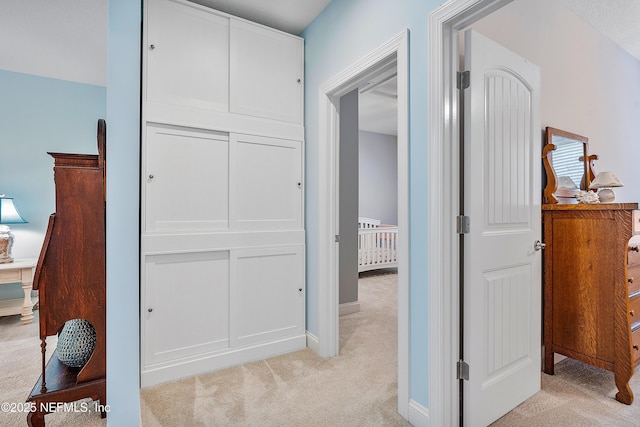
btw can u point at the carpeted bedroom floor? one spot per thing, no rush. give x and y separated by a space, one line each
357 388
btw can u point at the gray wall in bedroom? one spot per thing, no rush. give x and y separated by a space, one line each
378 177
348 269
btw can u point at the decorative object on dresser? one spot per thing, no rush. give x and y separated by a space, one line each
587 197
591 299
604 182
8 215
70 276
568 165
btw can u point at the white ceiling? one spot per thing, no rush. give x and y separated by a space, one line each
617 19
378 104
61 39
291 16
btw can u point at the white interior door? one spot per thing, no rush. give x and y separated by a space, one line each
502 303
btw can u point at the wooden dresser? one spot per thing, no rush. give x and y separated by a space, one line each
591 296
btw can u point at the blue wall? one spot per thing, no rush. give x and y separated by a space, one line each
37 115
345 32
123 212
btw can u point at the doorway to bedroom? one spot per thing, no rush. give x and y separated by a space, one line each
356 76
368 183
368 224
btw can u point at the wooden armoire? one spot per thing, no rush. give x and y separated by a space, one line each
71 280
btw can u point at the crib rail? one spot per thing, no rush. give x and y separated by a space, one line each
377 248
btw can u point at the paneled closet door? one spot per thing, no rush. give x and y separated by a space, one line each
265 178
266 72
186 180
185 305
188 56
267 294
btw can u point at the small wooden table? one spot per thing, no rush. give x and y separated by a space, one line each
19 271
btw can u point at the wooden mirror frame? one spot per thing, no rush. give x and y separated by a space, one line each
552 194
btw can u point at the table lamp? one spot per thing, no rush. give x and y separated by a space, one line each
604 182
8 215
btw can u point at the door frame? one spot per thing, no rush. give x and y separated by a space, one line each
329 122
443 199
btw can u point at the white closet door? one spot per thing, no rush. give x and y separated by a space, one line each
185 307
266 72
267 294
186 180
265 183
188 56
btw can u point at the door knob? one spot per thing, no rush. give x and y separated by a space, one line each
538 245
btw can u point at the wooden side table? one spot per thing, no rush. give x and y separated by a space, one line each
19 271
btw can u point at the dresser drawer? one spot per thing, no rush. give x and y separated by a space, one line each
635 341
634 242
633 254
633 277
634 309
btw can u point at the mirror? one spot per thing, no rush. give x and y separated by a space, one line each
568 165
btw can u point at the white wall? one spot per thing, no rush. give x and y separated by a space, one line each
590 86
378 177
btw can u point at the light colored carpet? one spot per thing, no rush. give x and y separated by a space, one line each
577 395
357 388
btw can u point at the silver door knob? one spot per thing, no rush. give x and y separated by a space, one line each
538 245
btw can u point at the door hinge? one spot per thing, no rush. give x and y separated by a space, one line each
337 238
464 79
462 370
463 224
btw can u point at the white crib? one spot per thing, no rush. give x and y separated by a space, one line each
377 245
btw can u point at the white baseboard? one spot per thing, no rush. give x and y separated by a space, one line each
214 361
418 414
349 307
313 343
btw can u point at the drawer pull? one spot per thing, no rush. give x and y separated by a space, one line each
635 347
630 280
634 248
632 313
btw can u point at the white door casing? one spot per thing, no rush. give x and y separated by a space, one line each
502 295
328 227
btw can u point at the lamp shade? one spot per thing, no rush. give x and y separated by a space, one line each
8 212
606 180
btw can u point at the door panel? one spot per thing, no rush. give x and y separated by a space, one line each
266 72
265 177
186 180
502 271
267 294
196 77
185 305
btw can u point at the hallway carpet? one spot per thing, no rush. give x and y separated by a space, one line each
356 388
